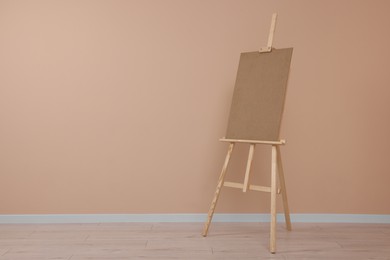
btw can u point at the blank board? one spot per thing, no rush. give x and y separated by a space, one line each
259 95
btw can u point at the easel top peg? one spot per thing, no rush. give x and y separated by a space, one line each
271 35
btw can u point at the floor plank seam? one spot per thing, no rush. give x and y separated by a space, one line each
6 251
31 233
340 245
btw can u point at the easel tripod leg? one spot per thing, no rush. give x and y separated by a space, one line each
284 192
273 200
219 186
248 167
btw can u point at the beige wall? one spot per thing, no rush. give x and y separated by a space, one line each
117 106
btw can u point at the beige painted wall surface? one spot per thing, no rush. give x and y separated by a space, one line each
117 106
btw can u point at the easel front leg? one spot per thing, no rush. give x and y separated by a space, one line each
284 192
273 200
219 186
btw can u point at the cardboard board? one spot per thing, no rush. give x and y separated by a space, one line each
259 95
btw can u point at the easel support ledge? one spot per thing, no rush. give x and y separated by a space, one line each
280 142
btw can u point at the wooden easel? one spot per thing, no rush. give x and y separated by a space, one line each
276 170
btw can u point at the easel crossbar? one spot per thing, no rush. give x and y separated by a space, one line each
251 187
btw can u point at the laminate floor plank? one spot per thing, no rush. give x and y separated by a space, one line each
184 241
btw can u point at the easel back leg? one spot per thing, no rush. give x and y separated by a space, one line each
284 191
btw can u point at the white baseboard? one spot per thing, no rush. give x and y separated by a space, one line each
117 218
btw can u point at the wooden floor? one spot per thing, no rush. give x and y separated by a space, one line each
184 241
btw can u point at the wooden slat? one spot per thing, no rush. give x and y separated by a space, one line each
283 189
280 142
271 34
251 187
219 186
273 200
233 184
260 188
248 167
